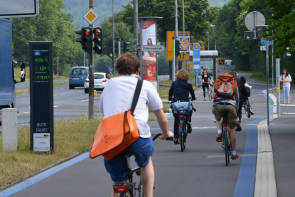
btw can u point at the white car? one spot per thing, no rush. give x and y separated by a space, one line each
100 81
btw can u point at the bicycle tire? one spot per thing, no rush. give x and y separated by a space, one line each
182 143
226 147
127 194
247 104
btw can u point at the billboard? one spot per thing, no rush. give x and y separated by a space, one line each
19 8
148 32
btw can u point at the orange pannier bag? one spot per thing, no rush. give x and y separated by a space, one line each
117 132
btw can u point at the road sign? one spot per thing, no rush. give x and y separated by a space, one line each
196 58
23 8
184 43
153 48
254 19
41 95
110 69
90 16
250 35
265 42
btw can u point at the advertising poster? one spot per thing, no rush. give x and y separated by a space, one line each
148 29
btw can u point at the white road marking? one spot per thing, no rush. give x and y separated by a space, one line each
222 156
287 113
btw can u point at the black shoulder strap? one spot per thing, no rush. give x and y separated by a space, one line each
136 95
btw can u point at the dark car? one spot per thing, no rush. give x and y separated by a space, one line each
78 76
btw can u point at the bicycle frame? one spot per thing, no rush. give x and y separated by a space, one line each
129 187
182 131
226 139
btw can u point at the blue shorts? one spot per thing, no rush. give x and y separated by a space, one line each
117 167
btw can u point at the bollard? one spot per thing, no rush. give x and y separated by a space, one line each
9 129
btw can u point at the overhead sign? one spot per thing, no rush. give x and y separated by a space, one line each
19 8
90 16
153 48
254 19
196 58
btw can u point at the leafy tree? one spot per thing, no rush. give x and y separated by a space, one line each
52 24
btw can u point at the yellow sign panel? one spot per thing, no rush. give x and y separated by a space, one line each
169 41
90 16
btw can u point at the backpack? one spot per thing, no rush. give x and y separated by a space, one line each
225 86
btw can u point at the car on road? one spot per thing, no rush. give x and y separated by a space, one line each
100 81
78 75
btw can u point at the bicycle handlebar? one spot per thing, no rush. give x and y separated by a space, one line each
155 136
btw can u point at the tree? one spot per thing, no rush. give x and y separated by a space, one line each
52 24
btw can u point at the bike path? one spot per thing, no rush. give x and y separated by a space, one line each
282 135
199 171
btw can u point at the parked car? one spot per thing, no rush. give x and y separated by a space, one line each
100 81
78 75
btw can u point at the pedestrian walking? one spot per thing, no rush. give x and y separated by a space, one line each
286 80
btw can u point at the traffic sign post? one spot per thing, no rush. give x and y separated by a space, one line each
41 97
196 58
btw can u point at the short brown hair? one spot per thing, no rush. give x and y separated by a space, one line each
127 64
182 75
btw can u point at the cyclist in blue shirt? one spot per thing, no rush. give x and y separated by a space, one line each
179 91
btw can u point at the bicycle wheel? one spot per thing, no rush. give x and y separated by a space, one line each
247 108
127 194
226 146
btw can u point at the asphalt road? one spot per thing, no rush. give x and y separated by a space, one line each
199 171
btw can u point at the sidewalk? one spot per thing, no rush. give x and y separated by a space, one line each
283 137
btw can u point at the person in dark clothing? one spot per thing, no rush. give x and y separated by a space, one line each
244 93
179 91
205 82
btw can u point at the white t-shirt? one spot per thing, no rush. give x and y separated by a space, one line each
286 84
117 97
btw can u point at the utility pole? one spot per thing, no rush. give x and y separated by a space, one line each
183 30
272 65
278 86
175 38
91 77
119 47
113 36
267 83
135 35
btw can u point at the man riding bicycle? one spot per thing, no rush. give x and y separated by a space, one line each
225 88
117 97
244 93
179 91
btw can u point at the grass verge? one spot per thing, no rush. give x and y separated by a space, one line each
71 138
258 76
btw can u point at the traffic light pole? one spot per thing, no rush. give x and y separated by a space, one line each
91 75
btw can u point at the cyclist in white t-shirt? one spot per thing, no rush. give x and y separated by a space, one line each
286 80
117 97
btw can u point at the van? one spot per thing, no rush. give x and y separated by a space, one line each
78 75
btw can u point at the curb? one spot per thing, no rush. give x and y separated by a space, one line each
265 181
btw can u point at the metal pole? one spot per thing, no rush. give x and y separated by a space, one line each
119 47
113 36
91 77
135 25
278 86
176 28
173 63
183 32
254 18
272 66
267 82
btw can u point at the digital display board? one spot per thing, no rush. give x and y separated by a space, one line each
41 97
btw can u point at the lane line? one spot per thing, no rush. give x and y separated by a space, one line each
43 175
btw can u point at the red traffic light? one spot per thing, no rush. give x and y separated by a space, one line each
97 32
86 32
